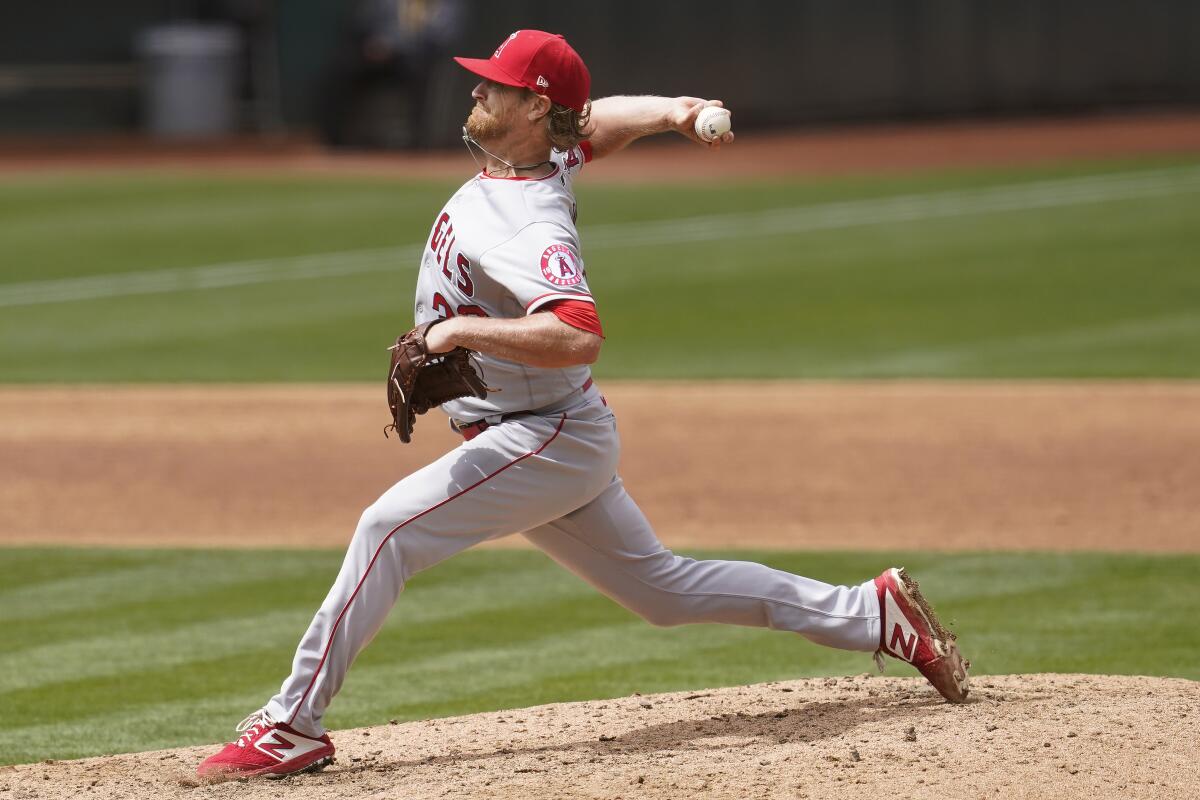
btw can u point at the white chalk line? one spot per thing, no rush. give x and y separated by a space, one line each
940 359
781 221
212 276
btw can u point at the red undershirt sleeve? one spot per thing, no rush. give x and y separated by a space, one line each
576 313
586 148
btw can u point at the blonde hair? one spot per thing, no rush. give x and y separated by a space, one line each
565 126
568 127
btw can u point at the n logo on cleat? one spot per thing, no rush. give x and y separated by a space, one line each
908 645
903 641
273 744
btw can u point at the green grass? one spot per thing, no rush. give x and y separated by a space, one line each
1100 283
123 650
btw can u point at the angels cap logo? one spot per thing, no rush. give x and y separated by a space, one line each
542 83
560 266
504 44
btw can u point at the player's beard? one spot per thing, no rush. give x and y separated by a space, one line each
483 126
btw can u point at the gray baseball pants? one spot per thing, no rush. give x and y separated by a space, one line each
552 475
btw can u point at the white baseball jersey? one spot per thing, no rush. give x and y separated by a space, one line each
505 247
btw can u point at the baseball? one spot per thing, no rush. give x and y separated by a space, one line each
712 123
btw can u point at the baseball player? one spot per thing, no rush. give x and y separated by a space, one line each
504 272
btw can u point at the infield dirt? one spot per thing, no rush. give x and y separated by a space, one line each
942 466
1020 736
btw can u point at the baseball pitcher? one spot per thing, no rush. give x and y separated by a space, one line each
506 328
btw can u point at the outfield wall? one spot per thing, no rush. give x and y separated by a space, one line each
777 62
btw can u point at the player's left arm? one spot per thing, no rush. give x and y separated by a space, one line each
620 120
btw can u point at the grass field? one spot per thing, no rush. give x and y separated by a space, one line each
1087 270
115 650
1078 271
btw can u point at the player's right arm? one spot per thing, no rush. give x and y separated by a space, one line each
539 340
539 270
620 120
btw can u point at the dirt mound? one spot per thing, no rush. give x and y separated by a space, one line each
1019 736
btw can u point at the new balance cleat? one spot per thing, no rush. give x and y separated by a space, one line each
911 631
268 748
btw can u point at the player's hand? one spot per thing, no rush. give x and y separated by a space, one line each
440 338
681 118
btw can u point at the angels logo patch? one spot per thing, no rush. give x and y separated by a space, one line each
560 267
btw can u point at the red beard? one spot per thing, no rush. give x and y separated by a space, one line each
483 126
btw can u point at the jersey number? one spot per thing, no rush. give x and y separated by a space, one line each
442 306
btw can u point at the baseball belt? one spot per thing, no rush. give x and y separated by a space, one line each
469 430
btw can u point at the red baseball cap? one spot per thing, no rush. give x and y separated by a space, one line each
539 61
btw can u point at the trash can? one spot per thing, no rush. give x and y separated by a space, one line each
190 79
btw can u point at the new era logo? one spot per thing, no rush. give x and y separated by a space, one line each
542 83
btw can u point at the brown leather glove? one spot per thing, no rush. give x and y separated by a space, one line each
418 381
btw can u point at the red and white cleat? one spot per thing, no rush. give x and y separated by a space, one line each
910 631
269 748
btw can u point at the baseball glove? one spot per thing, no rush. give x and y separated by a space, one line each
418 381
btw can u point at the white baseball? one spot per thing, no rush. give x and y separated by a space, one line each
712 123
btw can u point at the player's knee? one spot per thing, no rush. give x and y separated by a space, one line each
661 620
664 615
664 607
373 524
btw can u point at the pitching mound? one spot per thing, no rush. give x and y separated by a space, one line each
1020 736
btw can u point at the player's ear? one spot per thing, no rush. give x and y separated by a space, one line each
540 107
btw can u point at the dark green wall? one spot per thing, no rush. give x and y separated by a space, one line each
778 62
